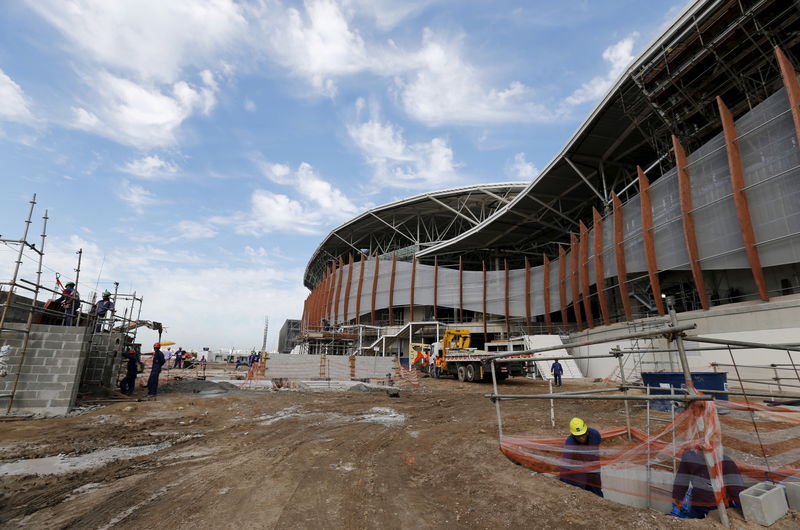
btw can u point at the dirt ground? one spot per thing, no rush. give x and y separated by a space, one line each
300 459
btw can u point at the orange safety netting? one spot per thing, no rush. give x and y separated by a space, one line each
661 467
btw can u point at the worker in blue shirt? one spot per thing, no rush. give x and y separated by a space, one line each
101 308
128 382
70 301
581 450
155 371
556 369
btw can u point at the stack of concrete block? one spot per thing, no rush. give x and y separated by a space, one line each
50 372
103 361
764 503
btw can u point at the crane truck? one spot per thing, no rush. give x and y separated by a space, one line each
461 361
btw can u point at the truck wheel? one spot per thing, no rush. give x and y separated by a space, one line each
470 373
462 373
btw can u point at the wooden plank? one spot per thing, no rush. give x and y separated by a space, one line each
562 285
583 257
391 289
359 289
599 265
619 256
527 296
740 198
376 273
689 234
338 293
546 294
649 239
574 281
792 88
348 286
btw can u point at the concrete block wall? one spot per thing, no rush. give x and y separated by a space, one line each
103 361
50 371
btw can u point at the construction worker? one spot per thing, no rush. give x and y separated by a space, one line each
581 452
128 382
556 369
155 371
70 301
178 358
101 308
437 366
695 503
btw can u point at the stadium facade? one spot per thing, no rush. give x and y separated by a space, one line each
683 182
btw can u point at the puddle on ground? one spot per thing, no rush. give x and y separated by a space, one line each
60 464
382 415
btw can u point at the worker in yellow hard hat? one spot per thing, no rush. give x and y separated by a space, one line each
580 462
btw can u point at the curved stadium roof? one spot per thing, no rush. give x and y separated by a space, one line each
414 223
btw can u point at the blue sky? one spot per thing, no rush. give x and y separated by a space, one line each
198 152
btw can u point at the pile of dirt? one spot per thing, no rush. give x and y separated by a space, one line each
196 386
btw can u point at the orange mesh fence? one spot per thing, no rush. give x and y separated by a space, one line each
661 469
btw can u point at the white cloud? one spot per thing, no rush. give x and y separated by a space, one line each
271 212
396 163
14 105
249 105
141 115
521 169
316 44
151 167
194 230
150 39
315 203
137 197
385 13
443 87
618 56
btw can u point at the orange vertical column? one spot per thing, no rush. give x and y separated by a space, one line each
348 286
391 289
360 287
528 296
792 88
413 281
485 330
574 281
329 293
507 301
599 265
376 273
583 256
546 293
435 286
562 284
460 289
740 198
685 191
619 256
649 239
338 293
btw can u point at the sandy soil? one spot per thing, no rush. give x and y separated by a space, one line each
294 459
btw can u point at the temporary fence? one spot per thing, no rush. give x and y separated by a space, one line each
656 468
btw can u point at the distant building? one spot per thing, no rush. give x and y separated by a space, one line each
289 336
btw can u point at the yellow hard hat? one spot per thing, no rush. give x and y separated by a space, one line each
577 426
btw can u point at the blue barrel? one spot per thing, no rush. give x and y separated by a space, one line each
660 383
